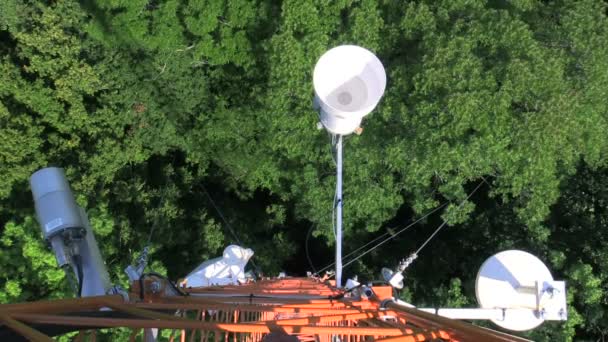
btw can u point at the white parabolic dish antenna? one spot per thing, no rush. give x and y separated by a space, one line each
349 82
508 280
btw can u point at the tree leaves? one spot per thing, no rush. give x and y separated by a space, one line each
145 101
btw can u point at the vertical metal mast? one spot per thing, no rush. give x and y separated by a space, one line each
349 82
338 205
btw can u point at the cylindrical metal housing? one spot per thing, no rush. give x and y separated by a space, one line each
56 208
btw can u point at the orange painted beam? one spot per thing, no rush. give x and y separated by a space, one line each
426 336
139 312
277 292
311 320
197 302
192 324
245 299
335 304
248 308
277 284
383 292
264 288
63 305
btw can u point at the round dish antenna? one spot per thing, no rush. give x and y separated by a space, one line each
514 279
349 81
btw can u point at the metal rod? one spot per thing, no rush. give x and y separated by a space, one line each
324 320
456 329
23 329
470 314
339 212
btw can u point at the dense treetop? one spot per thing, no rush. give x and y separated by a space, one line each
162 110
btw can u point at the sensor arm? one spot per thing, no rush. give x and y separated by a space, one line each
550 296
484 314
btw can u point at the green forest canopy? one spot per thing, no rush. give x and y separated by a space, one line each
151 105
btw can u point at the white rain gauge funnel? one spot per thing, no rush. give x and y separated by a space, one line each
349 82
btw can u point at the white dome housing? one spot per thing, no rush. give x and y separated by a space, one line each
349 82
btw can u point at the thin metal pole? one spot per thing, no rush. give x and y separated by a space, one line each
339 212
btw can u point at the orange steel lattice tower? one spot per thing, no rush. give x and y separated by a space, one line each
285 309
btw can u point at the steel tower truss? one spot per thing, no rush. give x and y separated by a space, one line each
302 308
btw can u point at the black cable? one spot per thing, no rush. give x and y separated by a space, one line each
78 262
378 282
154 274
392 236
161 200
141 286
155 220
256 269
219 212
341 295
306 247
445 222
396 292
332 147
67 268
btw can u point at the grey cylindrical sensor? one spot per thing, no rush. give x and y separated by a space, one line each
61 252
56 208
